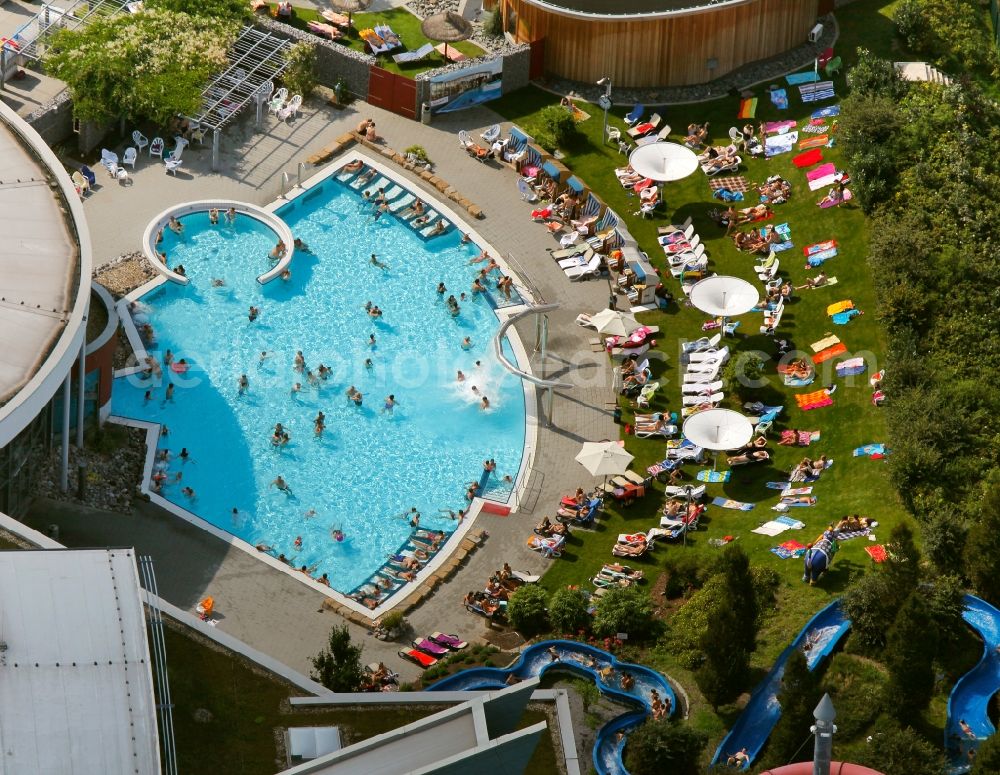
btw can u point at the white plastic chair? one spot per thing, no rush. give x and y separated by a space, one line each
277 101
492 134
129 157
527 194
172 165
614 134
156 147
109 160
139 140
179 145
290 110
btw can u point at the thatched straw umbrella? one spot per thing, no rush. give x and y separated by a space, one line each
350 7
447 27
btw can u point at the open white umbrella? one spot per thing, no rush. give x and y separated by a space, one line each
663 161
614 322
724 296
604 458
718 429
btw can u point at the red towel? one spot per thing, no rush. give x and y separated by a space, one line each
809 158
876 552
829 352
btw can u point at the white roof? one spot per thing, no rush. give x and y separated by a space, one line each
39 265
76 691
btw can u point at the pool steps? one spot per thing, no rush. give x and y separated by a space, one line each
398 198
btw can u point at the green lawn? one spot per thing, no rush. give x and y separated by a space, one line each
248 705
402 22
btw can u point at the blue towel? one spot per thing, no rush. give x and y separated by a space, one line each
871 449
780 99
818 258
797 78
794 524
726 503
796 382
713 476
782 246
843 318
777 485
832 110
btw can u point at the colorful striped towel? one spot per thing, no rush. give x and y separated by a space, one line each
778 127
815 400
780 99
839 306
713 476
851 367
877 553
814 142
792 438
829 352
815 127
815 92
822 344
748 108
821 172
845 317
807 159
796 79
784 230
787 554
828 112
726 503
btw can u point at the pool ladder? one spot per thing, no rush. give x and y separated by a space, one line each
286 178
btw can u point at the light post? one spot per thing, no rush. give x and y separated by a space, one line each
604 101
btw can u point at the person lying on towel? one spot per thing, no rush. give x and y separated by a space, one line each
757 456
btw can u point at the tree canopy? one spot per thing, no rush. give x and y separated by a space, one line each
338 666
149 65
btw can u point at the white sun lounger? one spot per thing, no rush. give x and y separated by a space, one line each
592 269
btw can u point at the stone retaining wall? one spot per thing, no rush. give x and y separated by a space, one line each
333 61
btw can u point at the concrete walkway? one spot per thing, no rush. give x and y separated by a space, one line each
264 607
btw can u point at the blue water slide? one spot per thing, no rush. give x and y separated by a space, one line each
823 632
536 660
970 698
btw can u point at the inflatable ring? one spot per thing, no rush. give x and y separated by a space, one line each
179 368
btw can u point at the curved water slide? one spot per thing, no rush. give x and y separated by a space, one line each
970 699
823 632
536 660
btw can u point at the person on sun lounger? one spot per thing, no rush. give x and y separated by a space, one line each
757 456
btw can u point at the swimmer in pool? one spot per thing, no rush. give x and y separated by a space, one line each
310 514
475 390
298 543
337 535
218 282
371 340
175 226
296 388
485 404
375 262
231 215
460 377
244 384
390 404
213 216
301 246
467 343
188 492
368 364
300 361
282 485
441 289
357 398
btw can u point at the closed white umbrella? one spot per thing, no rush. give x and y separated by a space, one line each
614 322
604 458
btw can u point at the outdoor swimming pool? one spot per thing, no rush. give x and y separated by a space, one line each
371 464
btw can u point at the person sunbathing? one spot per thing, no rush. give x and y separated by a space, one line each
833 198
757 456
797 369
673 508
630 550
813 282
720 163
546 528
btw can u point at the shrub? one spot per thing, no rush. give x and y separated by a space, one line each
626 610
557 127
300 75
338 666
236 10
684 572
873 76
896 751
526 609
568 611
664 746
419 153
856 687
726 658
394 620
494 25
744 375
798 695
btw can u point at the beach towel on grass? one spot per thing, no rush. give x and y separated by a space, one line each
714 476
777 485
787 554
847 197
871 450
822 344
829 281
816 127
814 400
815 143
782 246
807 159
829 352
792 438
778 127
792 504
780 99
794 524
819 247
851 367
771 528
726 503
748 108
796 491
791 381
839 306
845 317
736 183
877 553
822 90
817 259
828 112
797 79
821 172
847 536
777 144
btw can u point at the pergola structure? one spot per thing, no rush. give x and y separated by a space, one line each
256 58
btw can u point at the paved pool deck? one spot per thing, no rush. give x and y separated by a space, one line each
270 610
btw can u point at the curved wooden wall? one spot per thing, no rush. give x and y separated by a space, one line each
669 51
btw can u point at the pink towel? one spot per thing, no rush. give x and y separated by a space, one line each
821 171
773 127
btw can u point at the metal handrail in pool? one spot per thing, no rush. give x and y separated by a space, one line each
607 761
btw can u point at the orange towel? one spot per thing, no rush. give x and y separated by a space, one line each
829 352
803 399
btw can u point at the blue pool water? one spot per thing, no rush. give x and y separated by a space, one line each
370 465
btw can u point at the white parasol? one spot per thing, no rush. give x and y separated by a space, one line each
663 161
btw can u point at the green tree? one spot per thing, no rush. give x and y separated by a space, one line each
945 606
556 128
626 610
149 65
527 611
724 670
236 10
944 540
903 565
300 75
870 603
338 666
873 76
896 751
741 595
799 694
670 746
987 758
568 611
982 555
909 655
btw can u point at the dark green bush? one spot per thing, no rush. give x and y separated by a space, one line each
527 610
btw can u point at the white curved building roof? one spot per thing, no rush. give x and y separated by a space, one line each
45 267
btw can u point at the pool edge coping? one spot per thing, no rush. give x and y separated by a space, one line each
152 429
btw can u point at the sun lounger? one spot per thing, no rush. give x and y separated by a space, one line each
635 114
327 31
337 19
526 577
450 53
591 269
430 647
689 388
452 642
391 39
419 657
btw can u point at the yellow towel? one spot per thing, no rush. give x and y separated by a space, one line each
822 344
840 306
